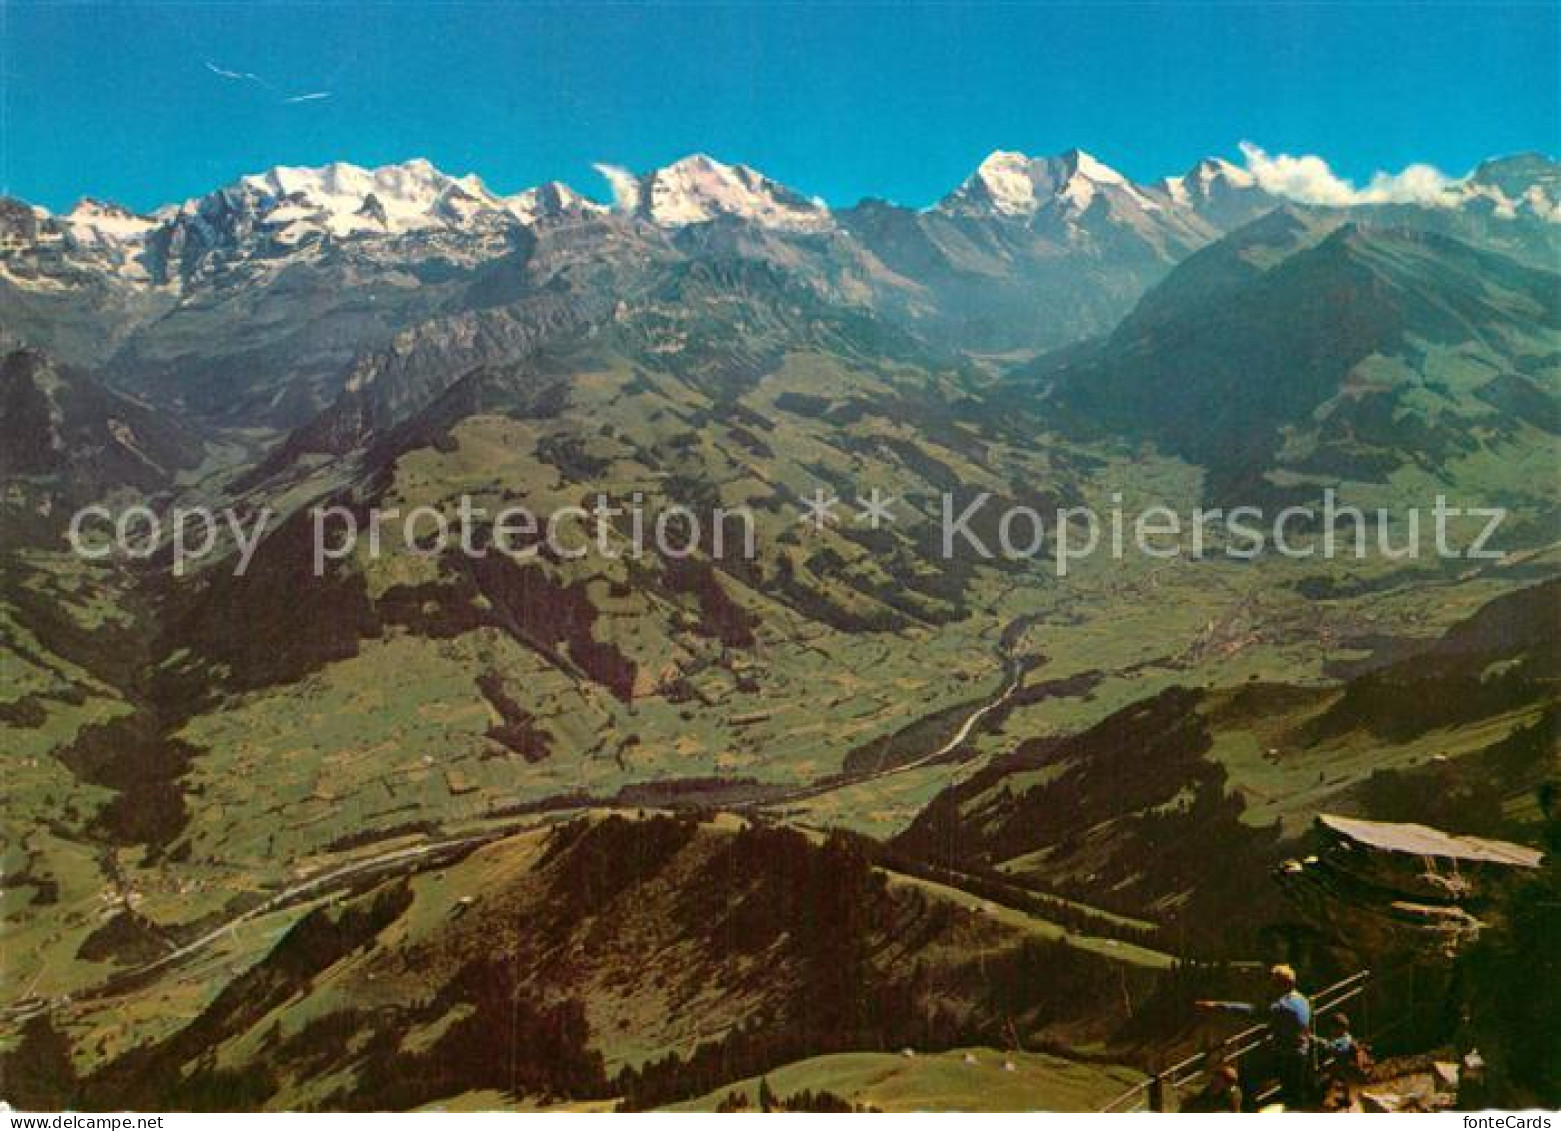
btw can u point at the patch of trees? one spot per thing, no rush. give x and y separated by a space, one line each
1041 982
803 404
126 938
518 731
720 617
994 886
1468 794
819 912
801 594
135 756
374 835
589 863
37 1073
1513 982
509 1041
568 454
916 739
1401 703
805 1100
275 624
554 619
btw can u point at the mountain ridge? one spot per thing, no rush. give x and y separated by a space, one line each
288 278
1295 350
697 188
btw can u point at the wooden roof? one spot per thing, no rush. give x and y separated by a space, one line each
1422 840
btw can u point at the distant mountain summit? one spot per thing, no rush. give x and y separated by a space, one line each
1223 194
1075 190
1013 184
342 199
1525 183
287 208
699 189
275 213
1301 352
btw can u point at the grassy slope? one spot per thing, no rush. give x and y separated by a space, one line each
993 1081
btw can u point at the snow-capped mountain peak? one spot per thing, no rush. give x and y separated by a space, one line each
1210 177
697 189
1522 184
95 235
1006 179
551 199
1213 169
343 199
1091 168
1008 183
1216 192
96 221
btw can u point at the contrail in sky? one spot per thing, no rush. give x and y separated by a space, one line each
238 76
250 76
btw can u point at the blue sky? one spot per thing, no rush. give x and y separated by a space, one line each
841 100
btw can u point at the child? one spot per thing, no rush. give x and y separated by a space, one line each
1345 1062
1220 1092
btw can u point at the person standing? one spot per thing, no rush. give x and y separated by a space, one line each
1289 1033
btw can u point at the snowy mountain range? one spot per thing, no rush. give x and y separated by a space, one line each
1013 184
289 207
258 299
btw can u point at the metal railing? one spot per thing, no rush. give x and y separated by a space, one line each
1151 1094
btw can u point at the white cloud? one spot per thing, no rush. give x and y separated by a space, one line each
1307 179
624 184
1416 184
